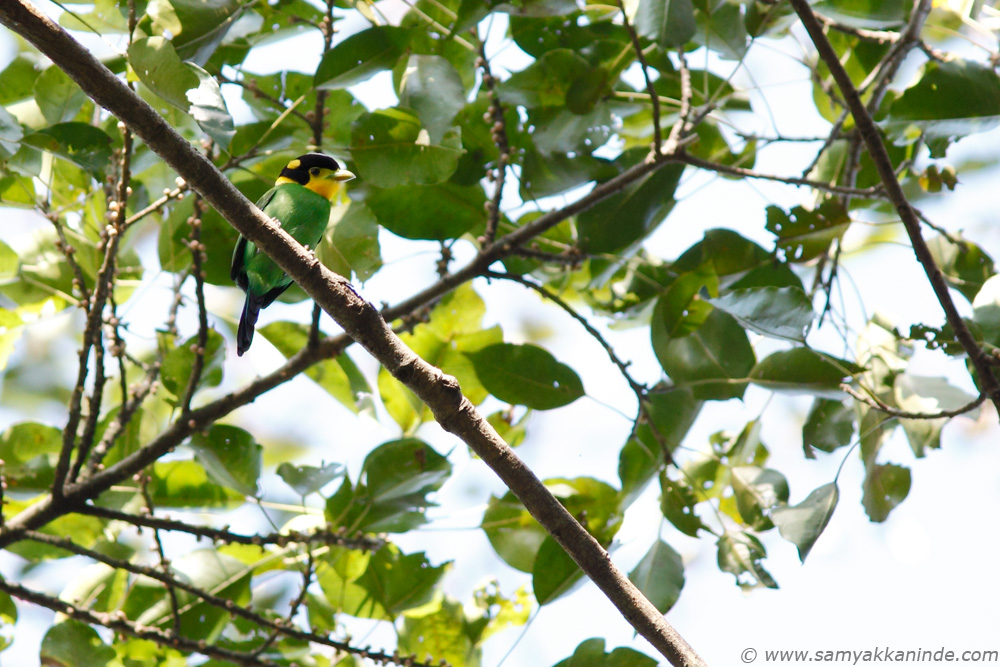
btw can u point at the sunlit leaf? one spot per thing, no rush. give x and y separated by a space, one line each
885 486
526 375
805 234
230 456
776 312
802 524
431 87
390 148
361 56
829 425
666 22
714 360
660 575
803 371
741 554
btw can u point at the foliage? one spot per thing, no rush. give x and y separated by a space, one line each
480 153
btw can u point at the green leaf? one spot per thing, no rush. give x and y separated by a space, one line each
404 469
391 583
986 311
559 131
554 573
885 486
207 569
8 618
433 212
683 307
546 81
186 484
667 22
390 148
803 371
965 265
916 393
27 450
952 99
829 425
454 331
526 375
545 175
361 56
501 612
866 13
777 312
391 496
618 221
230 456
196 27
17 80
514 534
517 537
677 503
713 360
741 554
72 642
58 96
673 411
660 575
802 524
179 363
431 87
309 479
590 653
757 492
184 85
803 234
443 631
81 143
339 376
10 135
722 30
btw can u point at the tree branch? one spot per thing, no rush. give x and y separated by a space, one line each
883 164
359 319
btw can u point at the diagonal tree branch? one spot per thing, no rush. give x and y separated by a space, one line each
358 318
911 222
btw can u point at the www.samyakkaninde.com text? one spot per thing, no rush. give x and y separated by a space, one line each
875 656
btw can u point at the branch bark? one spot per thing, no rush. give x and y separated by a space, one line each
358 318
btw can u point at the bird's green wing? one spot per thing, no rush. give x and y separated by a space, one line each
239 252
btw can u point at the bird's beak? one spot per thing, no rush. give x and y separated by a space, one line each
342 175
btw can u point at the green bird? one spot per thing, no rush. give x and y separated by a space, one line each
300 201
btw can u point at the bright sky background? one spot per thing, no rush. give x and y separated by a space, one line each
918 581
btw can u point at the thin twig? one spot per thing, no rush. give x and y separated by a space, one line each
638 389
702 163
873 401
117 622
163 561
498 131
641 57
198 256
359 542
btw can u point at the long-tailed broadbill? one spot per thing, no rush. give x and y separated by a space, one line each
300 202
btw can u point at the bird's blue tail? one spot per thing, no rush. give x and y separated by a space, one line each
244 336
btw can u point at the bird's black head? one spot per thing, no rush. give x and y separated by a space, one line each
300 169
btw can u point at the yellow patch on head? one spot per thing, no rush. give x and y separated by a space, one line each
294 164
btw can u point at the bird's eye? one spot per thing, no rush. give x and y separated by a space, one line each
314 171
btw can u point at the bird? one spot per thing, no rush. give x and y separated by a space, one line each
300 202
